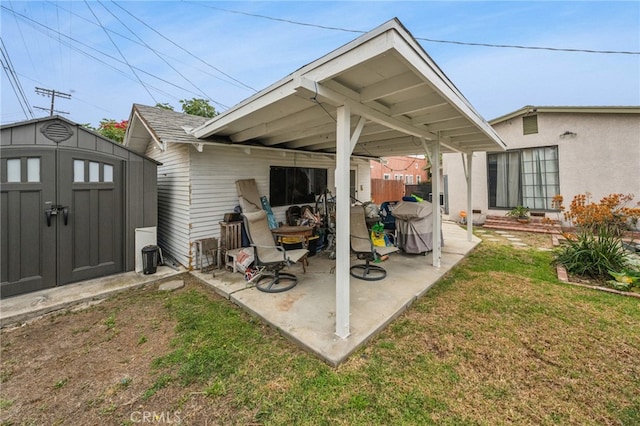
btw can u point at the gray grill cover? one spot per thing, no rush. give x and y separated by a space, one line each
414 225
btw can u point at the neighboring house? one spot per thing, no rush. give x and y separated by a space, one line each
196 180
550 151
71 203
411 169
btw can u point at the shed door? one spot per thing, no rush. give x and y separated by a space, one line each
81 239
27 249
90 243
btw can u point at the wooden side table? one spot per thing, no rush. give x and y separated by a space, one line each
302 232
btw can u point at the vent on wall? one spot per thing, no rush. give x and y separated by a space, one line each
56 131
529 124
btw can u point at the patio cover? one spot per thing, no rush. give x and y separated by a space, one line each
379 95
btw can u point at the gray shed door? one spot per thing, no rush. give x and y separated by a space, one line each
62 218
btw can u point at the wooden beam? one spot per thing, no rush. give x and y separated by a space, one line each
391 86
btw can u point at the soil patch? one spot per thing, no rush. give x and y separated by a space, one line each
83 367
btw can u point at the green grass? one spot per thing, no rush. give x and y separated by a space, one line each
498 341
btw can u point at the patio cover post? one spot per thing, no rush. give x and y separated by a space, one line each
343 155
467 163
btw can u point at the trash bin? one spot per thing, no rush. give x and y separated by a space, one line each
149 259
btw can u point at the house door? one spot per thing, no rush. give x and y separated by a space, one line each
62 218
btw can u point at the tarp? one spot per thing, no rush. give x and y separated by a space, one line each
414 226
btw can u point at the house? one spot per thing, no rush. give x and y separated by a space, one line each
72 201
551 150
196 180
412 170
380 95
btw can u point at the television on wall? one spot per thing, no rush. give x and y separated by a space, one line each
295 185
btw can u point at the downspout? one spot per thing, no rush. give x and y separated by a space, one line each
433 152
467 163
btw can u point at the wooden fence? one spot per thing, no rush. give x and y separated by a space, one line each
386 190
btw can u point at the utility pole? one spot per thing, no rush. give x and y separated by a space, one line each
52 94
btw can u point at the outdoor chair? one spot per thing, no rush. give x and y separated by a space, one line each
363 248
269 256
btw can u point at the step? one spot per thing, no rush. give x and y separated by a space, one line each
510 224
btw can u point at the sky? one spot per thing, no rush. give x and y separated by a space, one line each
108 55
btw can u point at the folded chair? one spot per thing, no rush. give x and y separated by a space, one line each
270 256
363 247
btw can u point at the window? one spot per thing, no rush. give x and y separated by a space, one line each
386 176
295 185
79 172
418 179
399 177
13 170
16 166
527 177
408 179
529 124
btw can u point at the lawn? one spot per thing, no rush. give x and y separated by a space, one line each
498 341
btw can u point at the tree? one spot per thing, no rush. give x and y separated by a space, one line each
164 105
198 106
113 129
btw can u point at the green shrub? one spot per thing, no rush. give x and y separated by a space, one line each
593 255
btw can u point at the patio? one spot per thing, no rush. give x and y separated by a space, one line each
306 313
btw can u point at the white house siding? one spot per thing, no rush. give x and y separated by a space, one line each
173 200
602 158
215 171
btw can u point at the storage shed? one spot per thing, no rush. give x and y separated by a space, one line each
71 201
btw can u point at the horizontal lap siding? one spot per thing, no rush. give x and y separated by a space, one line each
215 171
173 200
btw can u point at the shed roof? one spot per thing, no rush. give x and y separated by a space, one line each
386 78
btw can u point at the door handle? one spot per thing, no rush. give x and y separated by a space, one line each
54 210
48 214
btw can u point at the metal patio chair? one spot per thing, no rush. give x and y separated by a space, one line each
270 256
363 247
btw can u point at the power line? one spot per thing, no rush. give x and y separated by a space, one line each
7 65
463 43
157 54
235 82
36 24
183 49
120 52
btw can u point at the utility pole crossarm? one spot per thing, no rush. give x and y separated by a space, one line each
52 93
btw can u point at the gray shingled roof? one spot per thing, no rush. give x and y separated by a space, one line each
167 125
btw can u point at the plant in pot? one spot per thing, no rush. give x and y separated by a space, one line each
520 213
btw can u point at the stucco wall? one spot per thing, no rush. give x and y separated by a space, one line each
602 157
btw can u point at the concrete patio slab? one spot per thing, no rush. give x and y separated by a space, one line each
306 313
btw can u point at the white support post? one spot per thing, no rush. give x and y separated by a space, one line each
343 155
469 175
435 199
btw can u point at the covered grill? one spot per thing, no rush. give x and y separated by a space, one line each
414 226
